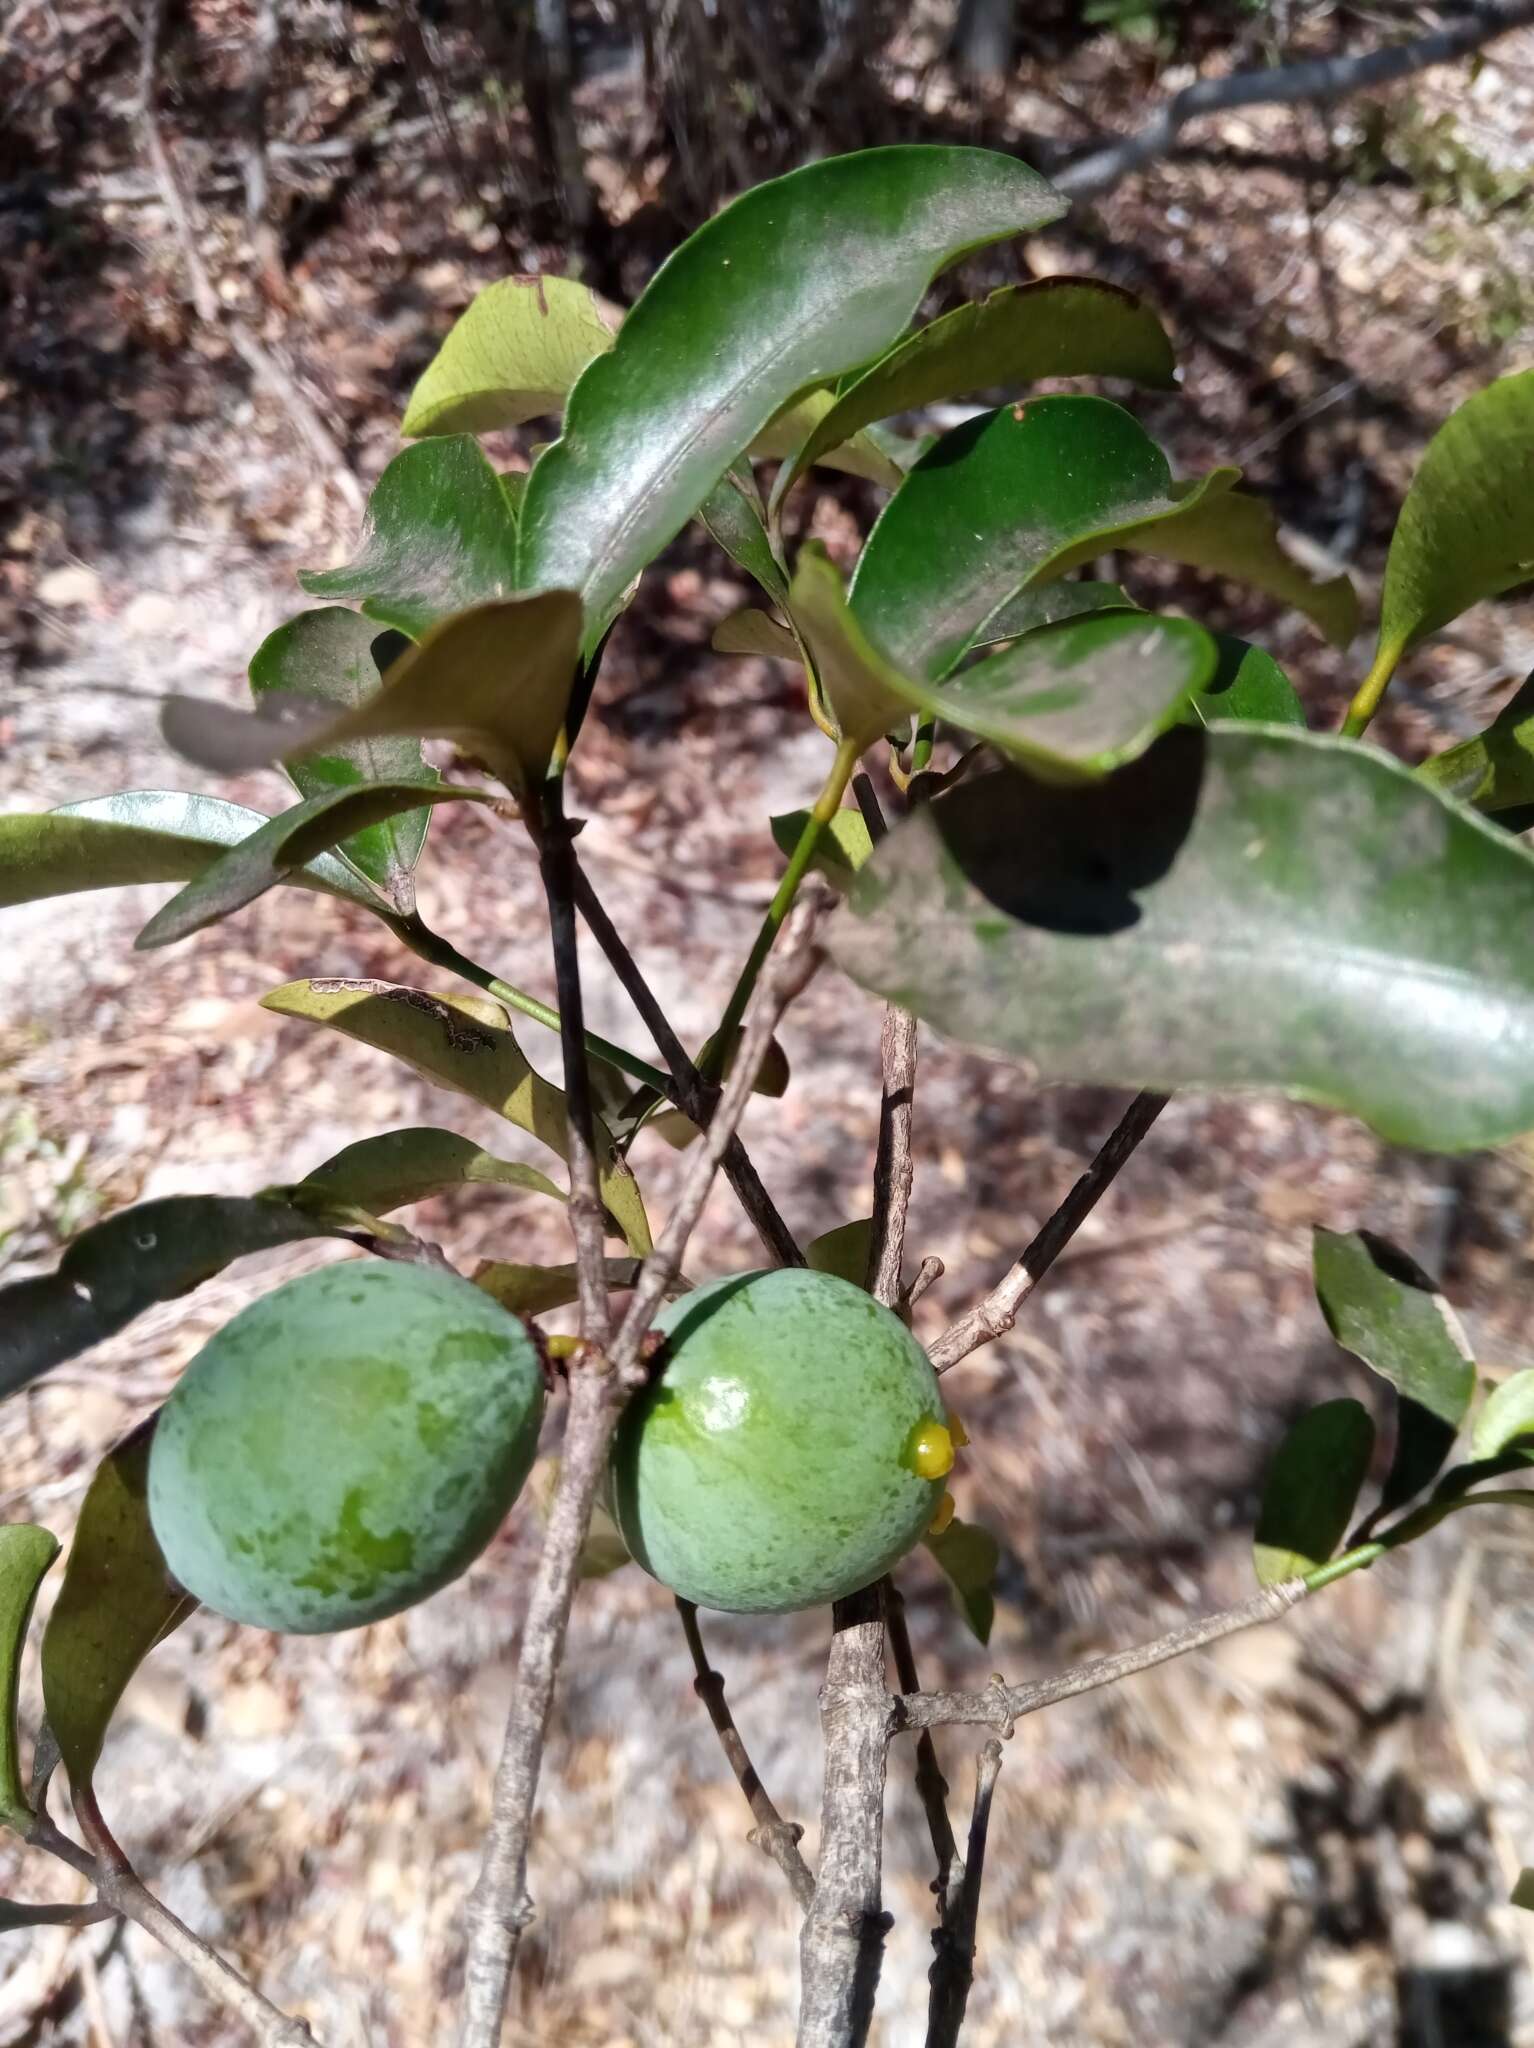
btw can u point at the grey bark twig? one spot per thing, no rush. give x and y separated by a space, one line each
999 1706
953 1969
693 1095
994 1316
599 1382
893 1171
1312 83
775 1836
841 1946
931 1785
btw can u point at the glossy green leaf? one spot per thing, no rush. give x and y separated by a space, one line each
1248 685
1466 529
283 843
1495 769
25 1555
1312 1489
1184 924
1022 495
842 1251
464 1043
534 1290
1383 1308
1048 604
124 1265
400 1167
968 1557
511 356
140 835
1507 1416
844 844
439 537
1053 327
1072 700
734 515
327 656
117 1601
753 632
799 280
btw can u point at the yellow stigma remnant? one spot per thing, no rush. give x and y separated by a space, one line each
930 1450
943 1516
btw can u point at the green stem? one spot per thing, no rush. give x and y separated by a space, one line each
1350 1561
1366 700
827 804
421 939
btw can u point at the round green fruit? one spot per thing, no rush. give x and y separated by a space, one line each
790 1450
344 1447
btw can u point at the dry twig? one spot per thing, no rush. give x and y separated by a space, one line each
954 1970
931 1785
994 1316
775 1836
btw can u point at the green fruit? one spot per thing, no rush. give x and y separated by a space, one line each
344 1447
790 1450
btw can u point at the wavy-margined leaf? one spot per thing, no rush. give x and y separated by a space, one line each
125 1264
512 355
399 1167
117 1601
463 1043
1022 495
1049 604
733 514
283 843
969 1557
1180 925
141 835
1053 327
1466 529
843 846
495 680
1311 1490
328 656
1072 700
753 632
25 1555
438 538
876 456
1494 770
1248 685
794 283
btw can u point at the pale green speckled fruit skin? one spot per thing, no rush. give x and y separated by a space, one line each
345 1446
766 1469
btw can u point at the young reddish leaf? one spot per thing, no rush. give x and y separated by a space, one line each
25 1555
124 1265
283 843
1312 1489
791 285
141 835
117 1601
1181 925
439 538
464 1043
511 356
968 1557
400 1167
1052 327
328 656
